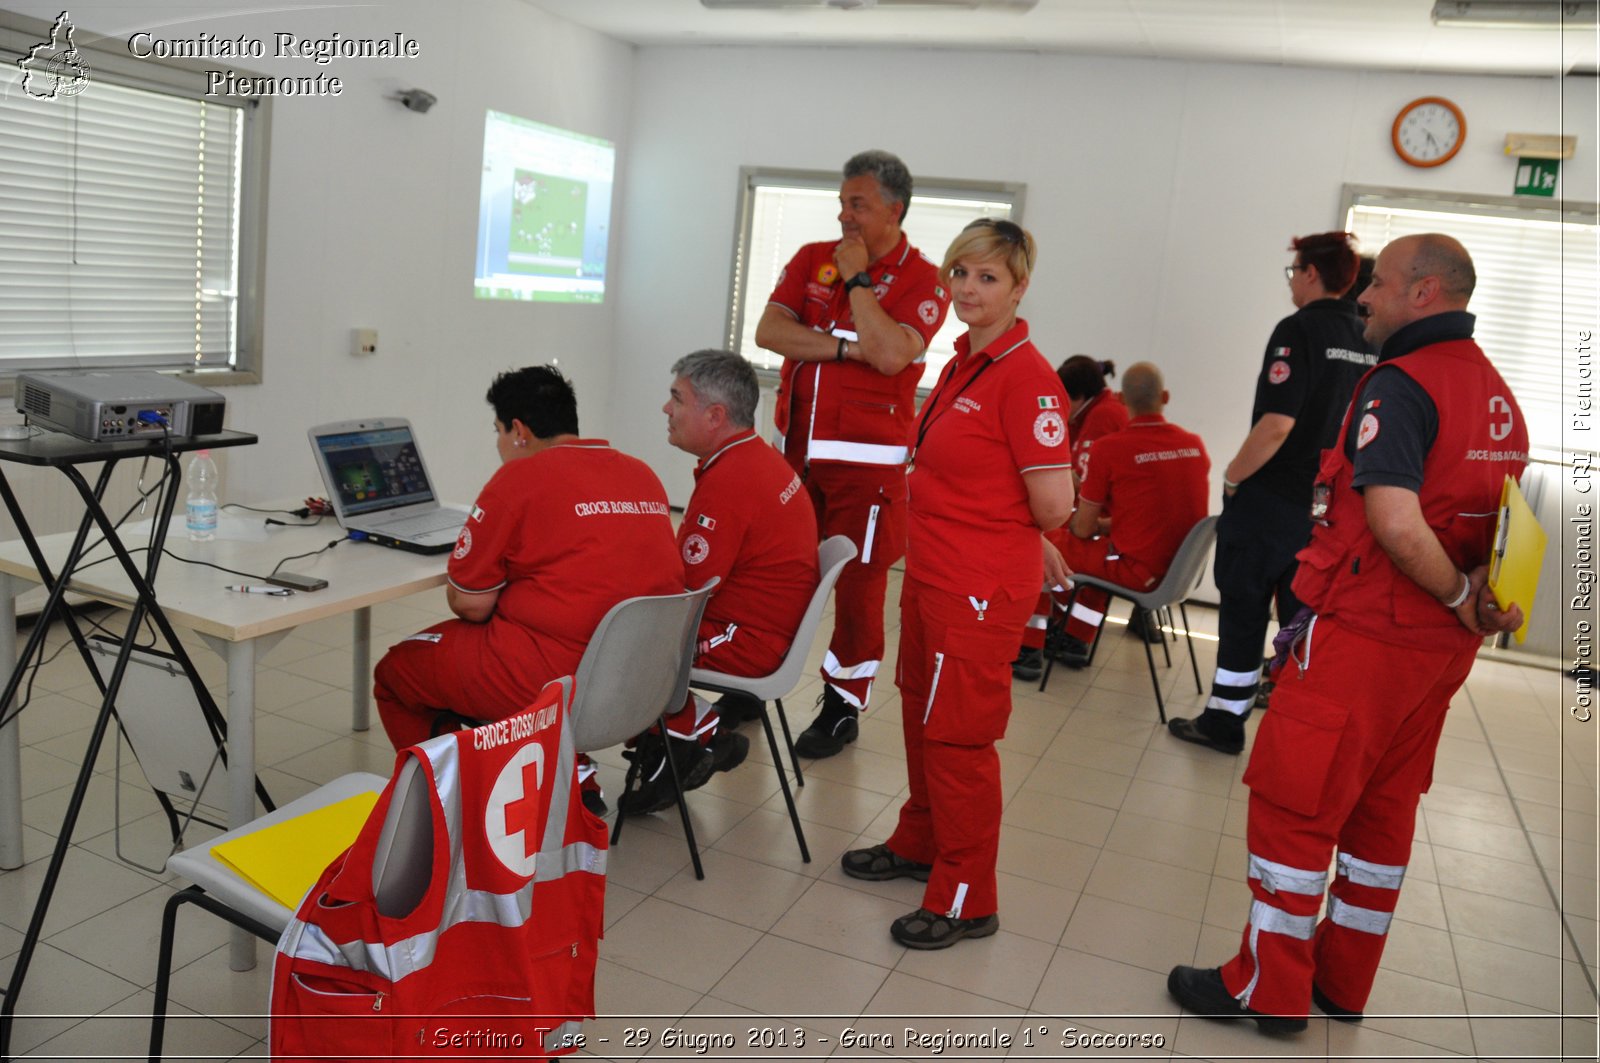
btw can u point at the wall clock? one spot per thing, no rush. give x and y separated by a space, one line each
1428 131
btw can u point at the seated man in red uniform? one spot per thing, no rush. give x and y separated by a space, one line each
1153 476
750 523
549 548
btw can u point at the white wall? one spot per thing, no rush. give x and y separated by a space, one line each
1163 194
372 222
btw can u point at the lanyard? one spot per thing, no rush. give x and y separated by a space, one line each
930 415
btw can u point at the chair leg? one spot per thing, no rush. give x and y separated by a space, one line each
169 922
783 781
1150 660
683 807
788 740
627 784
1153 617
1193 664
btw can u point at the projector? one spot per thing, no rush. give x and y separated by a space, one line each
119 404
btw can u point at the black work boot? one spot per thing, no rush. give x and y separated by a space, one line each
834 728
1203 993
1213 728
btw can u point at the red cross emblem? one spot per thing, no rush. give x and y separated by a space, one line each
1049 429
696 549
515 810
1500 413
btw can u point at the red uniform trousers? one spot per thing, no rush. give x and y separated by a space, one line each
1098 558
954 676
462 667
731 652
868 504
1341 760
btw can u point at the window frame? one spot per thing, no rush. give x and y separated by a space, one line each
753 177
1553 210
110 61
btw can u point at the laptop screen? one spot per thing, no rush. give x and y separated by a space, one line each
375 469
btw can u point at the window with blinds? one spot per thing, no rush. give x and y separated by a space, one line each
781 210
123 210
1538 269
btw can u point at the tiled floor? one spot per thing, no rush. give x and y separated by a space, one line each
1121 854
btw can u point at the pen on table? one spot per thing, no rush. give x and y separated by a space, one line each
276 592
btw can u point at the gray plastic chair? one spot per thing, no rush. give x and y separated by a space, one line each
634 673
1182 576
832 555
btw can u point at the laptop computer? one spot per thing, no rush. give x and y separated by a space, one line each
379 486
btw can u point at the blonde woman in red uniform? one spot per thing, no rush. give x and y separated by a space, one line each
991 469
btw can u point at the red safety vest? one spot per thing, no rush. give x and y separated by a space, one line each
498 956
1482 438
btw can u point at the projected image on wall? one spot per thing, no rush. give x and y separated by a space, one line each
544 212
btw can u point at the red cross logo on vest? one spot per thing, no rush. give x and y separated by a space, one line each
1500 417
513 816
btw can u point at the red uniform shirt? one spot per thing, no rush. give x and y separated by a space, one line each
751 523
1101 416
994 415
564 534
1153 476
851 401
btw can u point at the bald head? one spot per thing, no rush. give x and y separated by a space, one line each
1143 390
1416 277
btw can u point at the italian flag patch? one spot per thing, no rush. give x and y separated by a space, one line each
706 522
1049 402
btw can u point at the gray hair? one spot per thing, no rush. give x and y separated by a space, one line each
894 180
724 379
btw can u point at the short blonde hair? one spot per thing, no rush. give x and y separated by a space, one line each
993 238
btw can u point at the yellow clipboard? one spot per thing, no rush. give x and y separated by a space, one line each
284 860
1518 555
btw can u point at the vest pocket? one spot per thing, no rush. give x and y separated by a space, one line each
1295 748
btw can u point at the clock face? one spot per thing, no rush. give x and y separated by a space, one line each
1429 131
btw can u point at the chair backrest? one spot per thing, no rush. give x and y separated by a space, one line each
832 555
636 666
1184 572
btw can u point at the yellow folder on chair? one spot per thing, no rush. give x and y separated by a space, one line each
1519 544
284 860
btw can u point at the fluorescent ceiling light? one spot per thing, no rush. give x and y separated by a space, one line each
1515 14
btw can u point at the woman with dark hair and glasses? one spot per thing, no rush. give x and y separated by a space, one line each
990 470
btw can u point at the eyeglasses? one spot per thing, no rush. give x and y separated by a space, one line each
1289 271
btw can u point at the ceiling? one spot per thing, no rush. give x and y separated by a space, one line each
1364 34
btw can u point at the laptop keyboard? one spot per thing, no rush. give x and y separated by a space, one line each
438 520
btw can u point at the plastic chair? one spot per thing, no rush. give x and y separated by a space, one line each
401 873
832 555
1182 576
634 672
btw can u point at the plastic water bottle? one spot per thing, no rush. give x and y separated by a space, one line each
201 516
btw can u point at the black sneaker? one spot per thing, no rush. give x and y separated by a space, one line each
1072 652
727 750
1214 729
879 863
1263 694
656 790
737 709
594 801
1142 625
834 728
1204 994
1029 664
923 929
1332 1010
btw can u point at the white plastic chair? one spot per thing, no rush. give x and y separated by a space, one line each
832 555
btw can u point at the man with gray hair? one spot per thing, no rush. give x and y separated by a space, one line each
748 523
851 318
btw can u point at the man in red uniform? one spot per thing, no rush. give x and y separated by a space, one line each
1404 512
852 318
1154 476
748 524
565 529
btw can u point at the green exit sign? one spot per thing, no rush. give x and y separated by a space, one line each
1537 177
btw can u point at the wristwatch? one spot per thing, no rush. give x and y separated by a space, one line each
860 280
